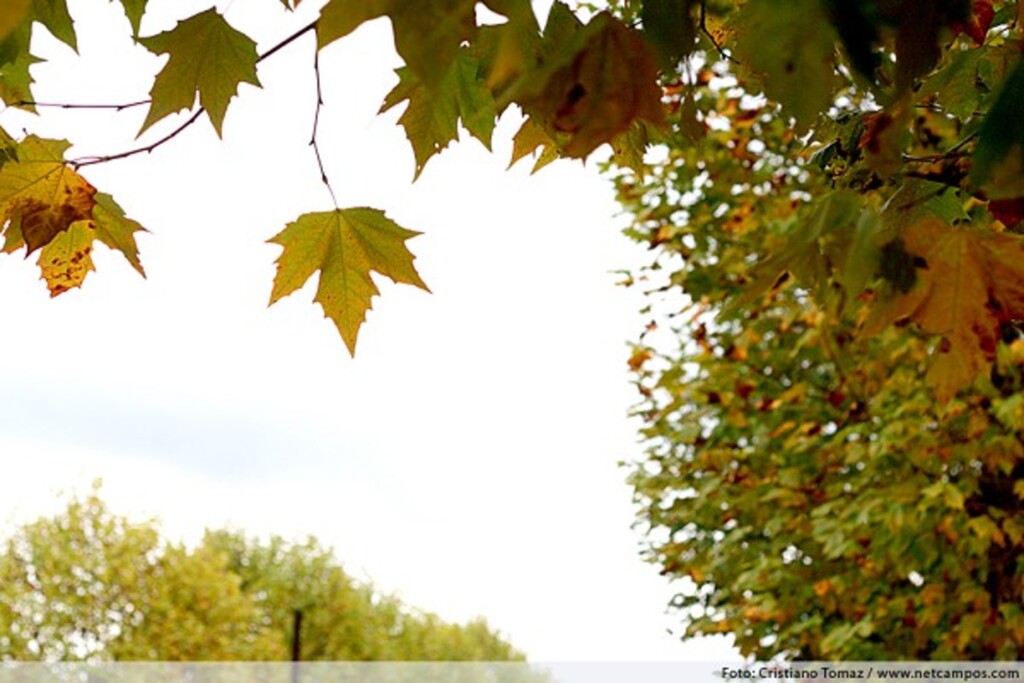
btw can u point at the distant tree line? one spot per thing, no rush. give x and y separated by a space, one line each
88 584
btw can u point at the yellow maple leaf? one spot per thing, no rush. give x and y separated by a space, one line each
40 195
968 282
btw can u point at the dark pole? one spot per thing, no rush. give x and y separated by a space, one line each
296 644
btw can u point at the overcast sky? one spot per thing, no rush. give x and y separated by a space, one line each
466 459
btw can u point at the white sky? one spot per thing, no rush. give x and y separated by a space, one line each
466 459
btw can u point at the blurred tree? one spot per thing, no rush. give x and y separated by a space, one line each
823 484
91 585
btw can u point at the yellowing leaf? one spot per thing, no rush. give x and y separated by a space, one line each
796 61
208 57
66 260
609 84
40 195
12 13
531 136
431 117
344 245
15 60
968 282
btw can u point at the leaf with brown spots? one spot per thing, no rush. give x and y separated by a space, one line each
40 195
968 283
66 260
608 85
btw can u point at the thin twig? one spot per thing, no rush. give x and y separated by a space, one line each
705 31
316 124
146 149
59 105
952 152
91 161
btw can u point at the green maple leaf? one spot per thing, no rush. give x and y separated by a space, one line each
15 60
53 14
134 9
116 230
796 63
344 245
208 57
432 116
669 26
427 33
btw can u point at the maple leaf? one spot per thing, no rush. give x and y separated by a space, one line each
431 117
15 60
12 13
999 156
67 259
968 282
669 26
54 15
427 33
208 57
345 245
528 139
40 196
607 85
797 65
134 9
981 16
116 230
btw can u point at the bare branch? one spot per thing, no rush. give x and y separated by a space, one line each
316 124
146 149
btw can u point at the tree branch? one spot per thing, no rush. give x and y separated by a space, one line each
146 149
316 124
59 105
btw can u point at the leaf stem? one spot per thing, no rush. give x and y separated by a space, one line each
316 123
704 29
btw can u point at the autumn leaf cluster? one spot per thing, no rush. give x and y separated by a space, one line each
831 376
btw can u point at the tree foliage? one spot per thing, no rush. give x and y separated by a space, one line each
88 584
833 193
832 378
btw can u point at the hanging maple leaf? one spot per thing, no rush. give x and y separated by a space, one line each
40 196
208 57
66 260
432 116
796 64
968 282
344 245
608 84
